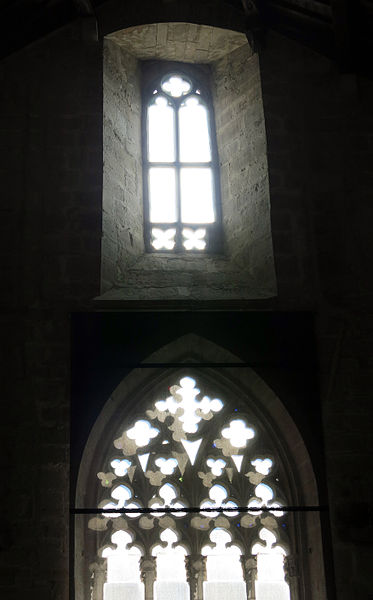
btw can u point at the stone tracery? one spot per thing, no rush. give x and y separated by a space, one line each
207 451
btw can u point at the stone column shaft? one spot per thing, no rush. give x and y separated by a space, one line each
148 573
250 573
196 575
291 571
99 575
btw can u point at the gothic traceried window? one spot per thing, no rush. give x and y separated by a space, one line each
181 181
189 450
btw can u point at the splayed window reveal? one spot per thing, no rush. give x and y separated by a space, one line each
182 415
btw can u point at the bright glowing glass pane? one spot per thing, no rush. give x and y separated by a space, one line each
121 493
262 466
163 240
271 567
162 195
120 466
168 494
191 448
221 590
197 204
216 466
142 433
218 494
193 240
176 86
143 458
128 590
170 590
194 132
166 465
161 136
237 459
225 567
237 433
223 562
264 492
122 567
275 590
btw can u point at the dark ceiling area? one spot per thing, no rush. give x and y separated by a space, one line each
339 29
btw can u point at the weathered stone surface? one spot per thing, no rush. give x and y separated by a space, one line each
127 271
186 42
319 133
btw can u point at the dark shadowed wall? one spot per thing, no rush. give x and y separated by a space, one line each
319 137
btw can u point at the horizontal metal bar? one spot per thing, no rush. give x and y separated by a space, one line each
192 365
196 509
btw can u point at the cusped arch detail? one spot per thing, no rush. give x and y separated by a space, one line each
246 391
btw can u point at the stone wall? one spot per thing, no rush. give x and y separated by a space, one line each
319 134
123 237
245 268
51 143
241 138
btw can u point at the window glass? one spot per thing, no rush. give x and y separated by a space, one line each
180 167
162 195
193 131
196 195
161 131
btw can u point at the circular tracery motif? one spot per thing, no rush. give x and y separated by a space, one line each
176 86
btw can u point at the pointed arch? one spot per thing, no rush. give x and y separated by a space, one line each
242 390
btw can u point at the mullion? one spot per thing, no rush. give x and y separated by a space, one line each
178 246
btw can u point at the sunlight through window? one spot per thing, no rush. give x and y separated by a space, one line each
180 167
186 535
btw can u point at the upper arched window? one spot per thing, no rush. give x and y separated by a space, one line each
181 179
190 450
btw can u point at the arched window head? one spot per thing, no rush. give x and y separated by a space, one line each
183 467
181 179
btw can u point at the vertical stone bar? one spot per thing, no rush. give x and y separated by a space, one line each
148 573
196 575
250 573
291 570
99 574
